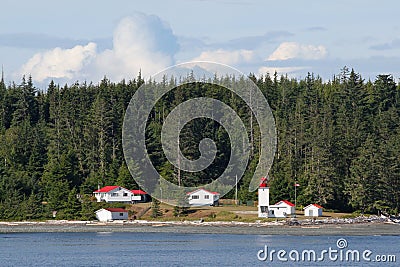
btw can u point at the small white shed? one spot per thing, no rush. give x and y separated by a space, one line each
313 210
111 214
202 197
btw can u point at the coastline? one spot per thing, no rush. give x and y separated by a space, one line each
190 227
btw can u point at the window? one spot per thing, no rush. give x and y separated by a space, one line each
121 214
114 194
207 197
272 212
125 194
264 208
195 197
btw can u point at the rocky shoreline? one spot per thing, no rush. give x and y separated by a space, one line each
356 226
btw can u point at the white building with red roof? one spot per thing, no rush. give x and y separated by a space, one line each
111 214
313 210
202 197
281 209
115 193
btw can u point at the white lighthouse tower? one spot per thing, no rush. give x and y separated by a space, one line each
263 198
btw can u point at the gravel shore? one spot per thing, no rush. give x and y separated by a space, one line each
356 229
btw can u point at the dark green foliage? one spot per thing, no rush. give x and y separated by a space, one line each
155 209
182 206
338 139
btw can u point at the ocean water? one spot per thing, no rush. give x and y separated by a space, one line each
173 249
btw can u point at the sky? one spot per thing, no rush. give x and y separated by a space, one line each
69 41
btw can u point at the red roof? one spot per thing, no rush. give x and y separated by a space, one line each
315 205
138 192
286 202
214 193
116 209
106 189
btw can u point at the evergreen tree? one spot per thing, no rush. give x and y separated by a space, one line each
155 209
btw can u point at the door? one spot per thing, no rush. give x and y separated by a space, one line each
311 212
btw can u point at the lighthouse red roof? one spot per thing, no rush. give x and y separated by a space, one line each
264 182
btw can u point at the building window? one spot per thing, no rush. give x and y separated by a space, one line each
125 194
121 215
207 197
264 208
195 197
114 194
272 212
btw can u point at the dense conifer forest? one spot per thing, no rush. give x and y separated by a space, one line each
339 139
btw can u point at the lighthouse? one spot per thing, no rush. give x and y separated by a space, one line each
263 198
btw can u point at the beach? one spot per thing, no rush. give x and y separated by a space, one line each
270 228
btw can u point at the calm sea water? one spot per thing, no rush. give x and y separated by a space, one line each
171 249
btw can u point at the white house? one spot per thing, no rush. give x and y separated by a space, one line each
202 197
110 214
313 210
263 199
281 209
115 193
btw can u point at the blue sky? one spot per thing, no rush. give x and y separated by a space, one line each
85 40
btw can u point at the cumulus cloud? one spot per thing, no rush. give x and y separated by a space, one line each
140 42
289 50
226 57
280 70
59 63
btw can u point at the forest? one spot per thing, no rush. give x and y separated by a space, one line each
339 139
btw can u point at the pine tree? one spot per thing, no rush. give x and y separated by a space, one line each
72 207
155 209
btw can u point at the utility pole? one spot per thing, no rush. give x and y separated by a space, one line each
179 166
236 190
161 199
295 196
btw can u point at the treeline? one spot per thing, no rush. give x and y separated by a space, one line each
337 139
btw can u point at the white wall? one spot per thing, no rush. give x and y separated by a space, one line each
263 202
117 195
278 212
104 215
204 198
281 211
313 211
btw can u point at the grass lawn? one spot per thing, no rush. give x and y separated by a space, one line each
221 213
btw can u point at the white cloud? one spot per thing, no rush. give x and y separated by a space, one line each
280 70
140 42
289 50
59 63
226 57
